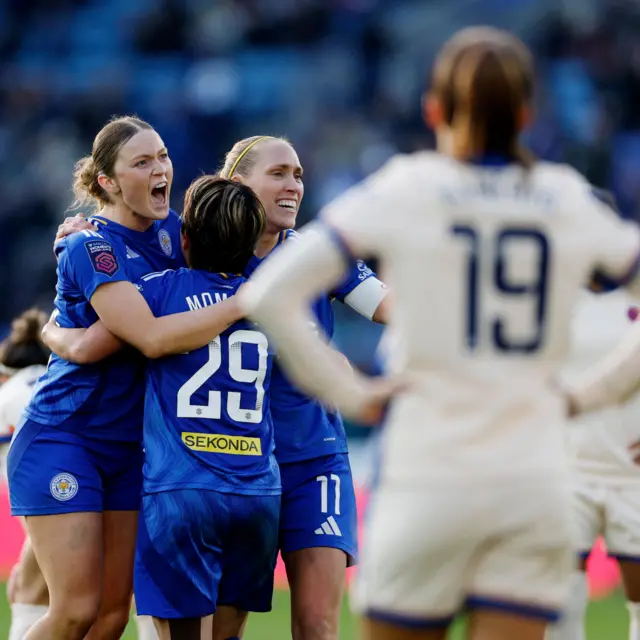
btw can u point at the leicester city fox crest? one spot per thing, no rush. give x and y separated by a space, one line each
165 242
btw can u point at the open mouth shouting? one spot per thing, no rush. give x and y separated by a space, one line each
159 194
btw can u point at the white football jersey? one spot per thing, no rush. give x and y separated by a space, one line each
486 265
15 393
599 441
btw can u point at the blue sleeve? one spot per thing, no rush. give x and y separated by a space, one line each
152 287
89 260
358 272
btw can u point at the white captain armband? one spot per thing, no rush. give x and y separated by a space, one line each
367 296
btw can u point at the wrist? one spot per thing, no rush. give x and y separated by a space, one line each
234 309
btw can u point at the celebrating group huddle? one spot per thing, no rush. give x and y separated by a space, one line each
196 428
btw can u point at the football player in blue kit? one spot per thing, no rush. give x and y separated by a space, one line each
208 530
318 524
75 464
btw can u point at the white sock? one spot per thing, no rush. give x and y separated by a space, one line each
634 620
146 628
571 625
23 617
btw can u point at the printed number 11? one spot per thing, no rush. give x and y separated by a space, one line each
324 493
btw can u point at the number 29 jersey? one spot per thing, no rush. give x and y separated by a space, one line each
207 423
486 262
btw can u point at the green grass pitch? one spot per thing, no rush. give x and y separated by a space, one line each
606 620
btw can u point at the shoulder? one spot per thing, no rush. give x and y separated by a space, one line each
157 287
409 167
157 279
395 168
226 283
159 275
402 162
399 176
8 389
562 178
19 384
233 283
85 241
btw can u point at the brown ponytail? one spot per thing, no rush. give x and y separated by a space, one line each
483 78
24 347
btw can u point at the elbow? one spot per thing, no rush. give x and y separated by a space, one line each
152 349
79 355
45 335
153 345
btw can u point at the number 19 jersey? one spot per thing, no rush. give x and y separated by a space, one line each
486 262
207 423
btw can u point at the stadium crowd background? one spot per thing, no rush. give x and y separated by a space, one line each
340 78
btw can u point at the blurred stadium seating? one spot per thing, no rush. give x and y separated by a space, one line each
341 78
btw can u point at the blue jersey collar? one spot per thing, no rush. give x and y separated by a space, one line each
492 160
122 230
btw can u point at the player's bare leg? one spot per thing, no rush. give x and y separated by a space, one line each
68 548
500 625
184 628
630 571
29 585
120 529
377 630
316 580
228 623
28 593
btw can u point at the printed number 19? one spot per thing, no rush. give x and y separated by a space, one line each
531 290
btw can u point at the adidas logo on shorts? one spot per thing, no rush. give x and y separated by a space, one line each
329 527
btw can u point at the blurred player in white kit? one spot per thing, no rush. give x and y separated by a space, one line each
603 439
23 357
606 481
486 252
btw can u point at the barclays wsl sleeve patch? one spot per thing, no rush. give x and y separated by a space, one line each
102 256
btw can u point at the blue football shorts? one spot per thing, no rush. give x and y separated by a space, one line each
319 506
200 549
52 471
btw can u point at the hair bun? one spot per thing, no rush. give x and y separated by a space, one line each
27 327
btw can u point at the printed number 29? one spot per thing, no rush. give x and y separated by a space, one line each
530 290
253 377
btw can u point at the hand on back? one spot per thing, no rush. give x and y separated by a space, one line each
72 224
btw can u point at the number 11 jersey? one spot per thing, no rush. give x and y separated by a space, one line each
486 261
207 423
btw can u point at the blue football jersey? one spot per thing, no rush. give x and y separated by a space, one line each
102 400
207 423
304 429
